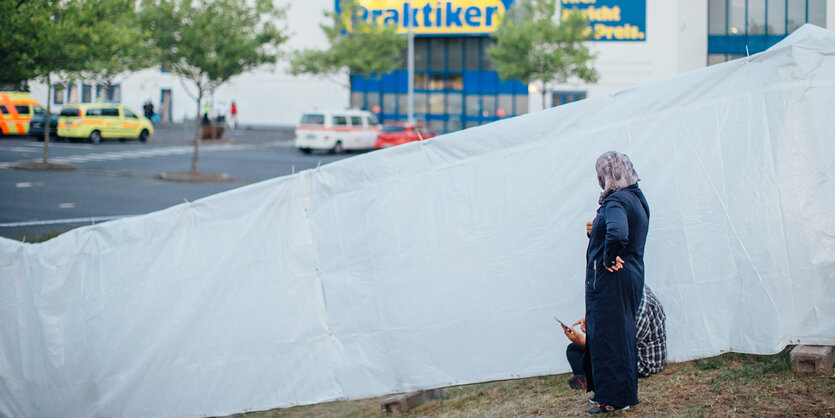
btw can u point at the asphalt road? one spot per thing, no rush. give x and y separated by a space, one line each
115 179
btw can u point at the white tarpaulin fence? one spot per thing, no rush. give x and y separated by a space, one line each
443 262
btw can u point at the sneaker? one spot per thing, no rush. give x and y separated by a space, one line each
605 409
577 382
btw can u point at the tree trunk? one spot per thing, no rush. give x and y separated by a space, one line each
46 122
211 119
543 96
197 138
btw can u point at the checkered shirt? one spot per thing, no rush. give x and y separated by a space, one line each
652 339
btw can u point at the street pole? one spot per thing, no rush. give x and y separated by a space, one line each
411 63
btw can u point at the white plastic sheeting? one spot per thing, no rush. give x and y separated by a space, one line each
443 262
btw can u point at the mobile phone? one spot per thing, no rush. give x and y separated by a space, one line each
561 323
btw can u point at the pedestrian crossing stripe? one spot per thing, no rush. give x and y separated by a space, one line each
131 154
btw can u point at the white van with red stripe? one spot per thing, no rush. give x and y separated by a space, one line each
337 131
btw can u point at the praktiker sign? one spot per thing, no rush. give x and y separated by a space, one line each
611 20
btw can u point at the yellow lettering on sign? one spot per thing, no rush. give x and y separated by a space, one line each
623 32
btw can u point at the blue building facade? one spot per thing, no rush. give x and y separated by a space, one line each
734 25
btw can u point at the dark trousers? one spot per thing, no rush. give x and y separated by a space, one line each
576 355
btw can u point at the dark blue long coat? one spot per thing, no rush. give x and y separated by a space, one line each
612 298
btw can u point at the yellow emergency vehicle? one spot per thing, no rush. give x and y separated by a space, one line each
16 109
98 121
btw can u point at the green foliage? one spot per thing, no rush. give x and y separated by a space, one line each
122 46
531 46
42 37
210 41
361 47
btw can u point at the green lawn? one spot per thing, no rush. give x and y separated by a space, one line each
727 385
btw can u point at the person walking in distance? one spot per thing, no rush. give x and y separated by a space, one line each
233 112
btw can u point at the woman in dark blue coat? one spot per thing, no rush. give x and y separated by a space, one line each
614 280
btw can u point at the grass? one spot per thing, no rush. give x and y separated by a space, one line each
727 385
42 237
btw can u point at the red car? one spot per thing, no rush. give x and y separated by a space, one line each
401 133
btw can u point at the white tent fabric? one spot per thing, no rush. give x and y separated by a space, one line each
442 262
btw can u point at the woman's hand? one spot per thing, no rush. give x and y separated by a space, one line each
617 266
588 227
582 323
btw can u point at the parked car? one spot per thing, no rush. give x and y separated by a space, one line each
337 131
98 121
38 122
16 109
401 133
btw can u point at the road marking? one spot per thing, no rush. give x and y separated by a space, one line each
130 154
63 221
66 205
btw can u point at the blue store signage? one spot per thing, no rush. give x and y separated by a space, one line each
613 20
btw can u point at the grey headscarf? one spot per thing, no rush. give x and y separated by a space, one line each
614 172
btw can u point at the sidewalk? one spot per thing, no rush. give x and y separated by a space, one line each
183 133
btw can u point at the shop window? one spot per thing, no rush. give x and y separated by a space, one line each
453 124
436 82
776 17
817 12
403 104
436 53
436 103
421 60
795 15
357 100
471 53
421 81
437 125
455 52
505 105
736 17
713 59
521 104
420 102
564 97
473 105
486 62
488 106
373 99
716 18
453 103
756 17
472 123
389 103
454 82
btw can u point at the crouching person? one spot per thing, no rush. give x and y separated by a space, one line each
651 338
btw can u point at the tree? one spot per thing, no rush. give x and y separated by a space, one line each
208 42
47 38
531 46
127 48
363 48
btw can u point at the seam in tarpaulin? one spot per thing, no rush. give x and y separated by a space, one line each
303 184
